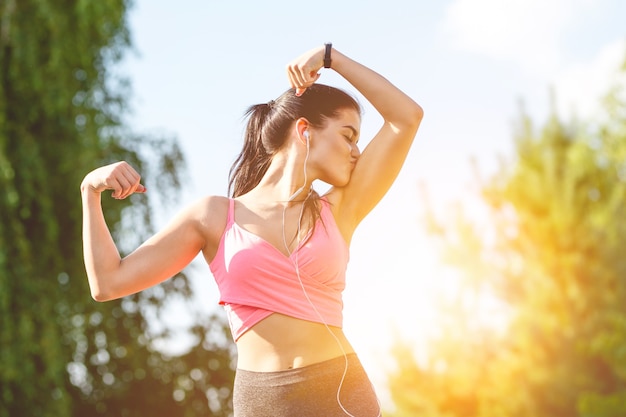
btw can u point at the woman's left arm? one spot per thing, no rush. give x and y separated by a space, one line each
379 164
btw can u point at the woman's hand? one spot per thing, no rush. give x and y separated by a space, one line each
119 177
303 71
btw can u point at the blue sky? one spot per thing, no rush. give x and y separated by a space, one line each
197 65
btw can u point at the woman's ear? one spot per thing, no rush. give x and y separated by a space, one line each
302 129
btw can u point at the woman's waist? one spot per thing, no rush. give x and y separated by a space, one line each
281 342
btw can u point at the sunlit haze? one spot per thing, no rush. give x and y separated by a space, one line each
469 63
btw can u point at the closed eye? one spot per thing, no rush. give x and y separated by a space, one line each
354 136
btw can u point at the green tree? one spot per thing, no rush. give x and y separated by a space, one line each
62 108
554 253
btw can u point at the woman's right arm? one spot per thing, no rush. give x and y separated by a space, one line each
159 258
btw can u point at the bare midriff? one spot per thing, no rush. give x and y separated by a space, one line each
280 342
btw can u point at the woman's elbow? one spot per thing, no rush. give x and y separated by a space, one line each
100 293
417 114
100 296
410 121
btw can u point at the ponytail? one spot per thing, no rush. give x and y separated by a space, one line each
254 160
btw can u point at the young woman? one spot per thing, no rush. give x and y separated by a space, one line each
277 249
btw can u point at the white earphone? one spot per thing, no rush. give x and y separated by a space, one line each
307 136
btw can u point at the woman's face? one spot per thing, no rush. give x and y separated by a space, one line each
333 148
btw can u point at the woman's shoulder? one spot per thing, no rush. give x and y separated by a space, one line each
212 202
210 209
210 214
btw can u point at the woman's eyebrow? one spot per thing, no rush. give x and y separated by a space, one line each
354 131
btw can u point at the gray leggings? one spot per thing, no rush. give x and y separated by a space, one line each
310 391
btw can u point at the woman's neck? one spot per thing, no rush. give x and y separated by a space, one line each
284 181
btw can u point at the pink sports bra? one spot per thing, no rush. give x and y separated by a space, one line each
255 279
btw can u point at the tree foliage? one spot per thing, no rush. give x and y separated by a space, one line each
62 110
553 251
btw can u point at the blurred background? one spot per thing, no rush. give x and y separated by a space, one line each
490 281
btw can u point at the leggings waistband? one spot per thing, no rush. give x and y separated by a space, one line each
315 390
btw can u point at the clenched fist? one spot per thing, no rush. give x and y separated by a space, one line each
119 177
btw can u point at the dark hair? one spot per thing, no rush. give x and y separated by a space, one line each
268 125
267 130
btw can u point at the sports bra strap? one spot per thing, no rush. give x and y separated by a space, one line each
230 219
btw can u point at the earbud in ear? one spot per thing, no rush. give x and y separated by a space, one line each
306 134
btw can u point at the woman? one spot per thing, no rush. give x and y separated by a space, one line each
277 250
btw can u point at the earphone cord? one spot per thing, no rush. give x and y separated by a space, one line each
297 269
